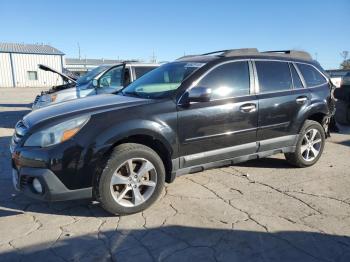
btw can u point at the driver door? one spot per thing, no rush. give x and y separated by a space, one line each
112 81
224 127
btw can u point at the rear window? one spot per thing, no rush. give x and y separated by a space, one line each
141 70
311 76
273 76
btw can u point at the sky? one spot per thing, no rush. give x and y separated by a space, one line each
136 29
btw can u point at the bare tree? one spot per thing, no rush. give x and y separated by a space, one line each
345 64
344 55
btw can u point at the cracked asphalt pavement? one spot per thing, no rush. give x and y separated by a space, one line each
261 210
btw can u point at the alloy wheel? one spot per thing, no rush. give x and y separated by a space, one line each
311 145
133 182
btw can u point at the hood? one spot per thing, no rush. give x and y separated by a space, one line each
82 106
64 76
71 90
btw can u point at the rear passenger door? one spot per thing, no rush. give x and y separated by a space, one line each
281 96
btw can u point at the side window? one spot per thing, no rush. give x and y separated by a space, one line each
273 76
141 70
311 76
113 78
296 79
228 80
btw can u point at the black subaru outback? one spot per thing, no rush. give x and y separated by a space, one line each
195 113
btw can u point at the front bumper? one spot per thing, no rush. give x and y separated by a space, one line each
53 188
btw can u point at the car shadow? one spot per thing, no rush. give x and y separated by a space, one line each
184 243
29 105
268 162
344 143
10 118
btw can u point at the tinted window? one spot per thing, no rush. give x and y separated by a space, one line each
227 80
141 70
162 81
296 79
273 76
311 76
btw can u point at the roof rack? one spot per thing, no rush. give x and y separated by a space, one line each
291 53
254 51
216 52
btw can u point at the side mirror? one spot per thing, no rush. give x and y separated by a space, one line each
95 83
199 94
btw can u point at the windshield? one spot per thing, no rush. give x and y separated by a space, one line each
90 75
163 81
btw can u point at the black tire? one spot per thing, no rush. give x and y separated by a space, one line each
296 158
119 155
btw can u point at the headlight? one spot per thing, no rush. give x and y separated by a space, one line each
58 133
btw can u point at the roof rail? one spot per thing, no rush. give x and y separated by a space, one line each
254 51
216 52
228 52
210 53
291 53
186 56
240 52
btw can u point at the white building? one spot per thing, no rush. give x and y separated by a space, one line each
19 65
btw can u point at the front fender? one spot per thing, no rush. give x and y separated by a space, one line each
158 130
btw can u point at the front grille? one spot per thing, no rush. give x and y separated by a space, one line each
23 182
36 99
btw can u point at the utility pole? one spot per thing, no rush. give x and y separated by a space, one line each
79 50
154 58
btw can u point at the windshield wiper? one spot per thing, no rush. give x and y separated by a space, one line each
135 94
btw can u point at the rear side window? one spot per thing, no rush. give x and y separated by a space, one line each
273 76
141 70
296 79
228 80
311 76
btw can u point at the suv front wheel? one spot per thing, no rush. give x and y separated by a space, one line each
310 145
132 180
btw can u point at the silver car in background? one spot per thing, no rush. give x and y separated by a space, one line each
105 79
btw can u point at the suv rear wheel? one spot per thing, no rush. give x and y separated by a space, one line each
310 145
132 180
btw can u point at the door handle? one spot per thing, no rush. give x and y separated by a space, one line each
248 108
301 99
